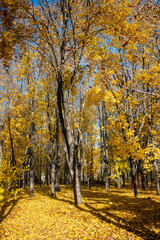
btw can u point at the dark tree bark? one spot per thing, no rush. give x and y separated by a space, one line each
13 160
123 178
51 145
104 146
141 172
76 181
57 179
90 171
147 181
69 142
67 177
134 176
57 157
152 178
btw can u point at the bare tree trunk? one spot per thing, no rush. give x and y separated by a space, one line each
31 179
76 181
31 158
141 172
46 174
104 145
32 141
152 179
28 178
123 178
142 180
53 170
49 173
13 160
57 179
106 177
157 178
134 176
24 180
40 172
69 142
147 181
90 173
57 159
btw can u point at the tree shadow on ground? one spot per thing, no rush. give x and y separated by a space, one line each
6 209
144 213
46 191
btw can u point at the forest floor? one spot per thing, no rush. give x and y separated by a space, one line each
113 215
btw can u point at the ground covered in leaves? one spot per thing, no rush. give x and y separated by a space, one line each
113 215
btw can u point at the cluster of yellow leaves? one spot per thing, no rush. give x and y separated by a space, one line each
8 191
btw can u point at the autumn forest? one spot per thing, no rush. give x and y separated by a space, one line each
80 119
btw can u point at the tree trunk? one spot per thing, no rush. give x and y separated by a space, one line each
12 161
53 170
69 141
57 183
49 173
76 180
90 174
28 178
123 178
31 179
106 177
143 180
57 158
89 182
157 178
147 181
134 177
23 184
46 174
31 159
40 172
1 151
142 175
152 179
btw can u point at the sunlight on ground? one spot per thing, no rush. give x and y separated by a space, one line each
113 215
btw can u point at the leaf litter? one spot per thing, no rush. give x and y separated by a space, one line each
103 216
